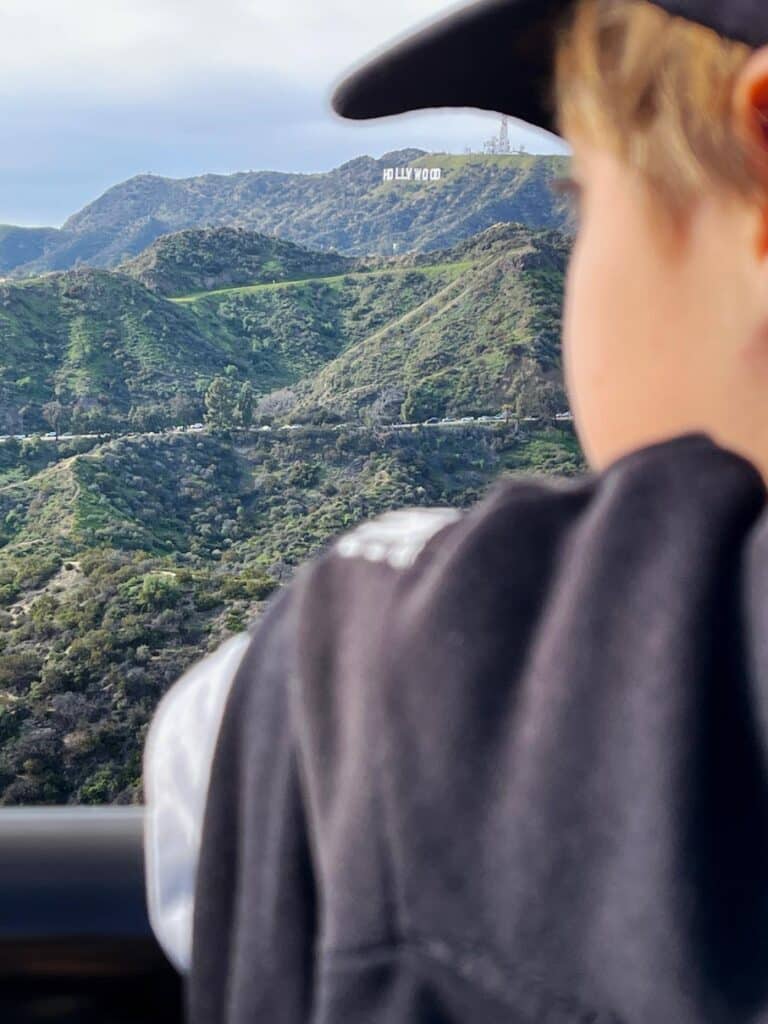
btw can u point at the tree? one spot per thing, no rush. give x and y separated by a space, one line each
386 406
24 413
54 414
534 394
422 401
184 409
10 450
244 408
159 590
221 405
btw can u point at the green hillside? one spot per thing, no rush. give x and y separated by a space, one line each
100 344
471 347
116 355
122 563
350 209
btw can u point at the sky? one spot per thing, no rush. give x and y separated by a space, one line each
95 91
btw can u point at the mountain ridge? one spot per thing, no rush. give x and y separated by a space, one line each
350 209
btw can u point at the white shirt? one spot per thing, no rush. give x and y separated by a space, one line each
177 764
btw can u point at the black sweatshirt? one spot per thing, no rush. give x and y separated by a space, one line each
506 765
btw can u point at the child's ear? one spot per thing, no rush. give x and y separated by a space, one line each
749 106
750 121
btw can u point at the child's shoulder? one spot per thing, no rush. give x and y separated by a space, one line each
403 539
534 537
423 567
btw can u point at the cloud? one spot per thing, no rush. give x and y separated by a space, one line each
93 92
143 45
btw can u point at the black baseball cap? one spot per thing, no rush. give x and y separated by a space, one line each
498 55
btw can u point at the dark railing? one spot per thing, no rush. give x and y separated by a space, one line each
75 940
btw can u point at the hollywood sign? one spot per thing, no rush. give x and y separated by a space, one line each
413 173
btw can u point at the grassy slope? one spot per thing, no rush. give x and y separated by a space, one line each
211 258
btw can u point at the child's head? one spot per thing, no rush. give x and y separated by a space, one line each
666 311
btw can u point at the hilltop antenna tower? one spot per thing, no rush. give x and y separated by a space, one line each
504 136
499 143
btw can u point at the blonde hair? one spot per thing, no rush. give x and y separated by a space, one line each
655 90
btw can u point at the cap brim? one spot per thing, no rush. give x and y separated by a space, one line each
495 55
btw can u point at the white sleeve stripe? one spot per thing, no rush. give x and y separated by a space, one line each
396 537
176 769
